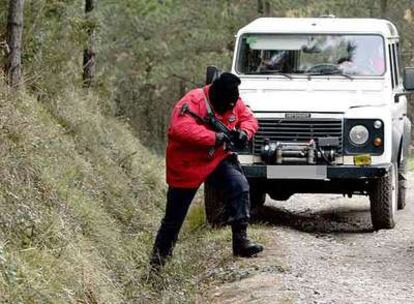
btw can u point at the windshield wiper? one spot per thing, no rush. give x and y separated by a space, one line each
270 72
330 72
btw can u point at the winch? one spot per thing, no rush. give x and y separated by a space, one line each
315 151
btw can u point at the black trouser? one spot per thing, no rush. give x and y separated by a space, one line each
227 176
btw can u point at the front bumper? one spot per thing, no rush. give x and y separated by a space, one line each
332 172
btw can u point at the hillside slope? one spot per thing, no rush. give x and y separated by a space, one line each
80 199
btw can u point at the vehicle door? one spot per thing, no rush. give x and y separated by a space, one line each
398 105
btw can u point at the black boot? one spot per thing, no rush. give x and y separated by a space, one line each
157 260
163 246
242 246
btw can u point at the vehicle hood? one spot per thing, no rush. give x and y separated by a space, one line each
322 99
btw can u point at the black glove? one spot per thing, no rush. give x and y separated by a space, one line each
239 138
221 138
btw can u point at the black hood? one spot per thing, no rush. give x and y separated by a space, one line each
224 92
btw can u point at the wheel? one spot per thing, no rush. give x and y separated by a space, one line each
402 183
280 196
402 191
383 197
403 169
257 196
214 205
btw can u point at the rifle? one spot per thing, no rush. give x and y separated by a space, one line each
214 123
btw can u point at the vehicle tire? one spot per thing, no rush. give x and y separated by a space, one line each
257 196
402 175
280 196
383 198
214 203
402 187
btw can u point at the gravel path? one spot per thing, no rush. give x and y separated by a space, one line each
321 249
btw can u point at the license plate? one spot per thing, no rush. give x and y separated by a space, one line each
362 160
296 172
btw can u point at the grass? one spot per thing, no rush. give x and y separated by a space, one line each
80 202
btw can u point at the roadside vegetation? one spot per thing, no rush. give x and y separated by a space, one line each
80 198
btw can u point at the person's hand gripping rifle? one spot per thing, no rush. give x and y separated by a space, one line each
224 136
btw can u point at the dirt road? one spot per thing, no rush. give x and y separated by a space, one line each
321 249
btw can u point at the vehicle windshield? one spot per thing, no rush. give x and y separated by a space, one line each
355 55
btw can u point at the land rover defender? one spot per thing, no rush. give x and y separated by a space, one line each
332 108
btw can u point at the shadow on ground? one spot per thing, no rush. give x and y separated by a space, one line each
345 220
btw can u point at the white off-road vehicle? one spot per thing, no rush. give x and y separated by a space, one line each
332 109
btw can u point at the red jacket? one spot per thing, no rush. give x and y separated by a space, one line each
189 142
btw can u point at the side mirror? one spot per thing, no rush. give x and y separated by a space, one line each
212 73
408 79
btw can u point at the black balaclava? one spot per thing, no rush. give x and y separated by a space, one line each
224 92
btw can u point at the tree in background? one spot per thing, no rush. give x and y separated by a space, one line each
151 52
89 53
14 42
263 7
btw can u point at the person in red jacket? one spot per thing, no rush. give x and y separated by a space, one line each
195 153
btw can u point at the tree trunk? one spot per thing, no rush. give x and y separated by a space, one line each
260 7
267 8
263 7
89 52
14 43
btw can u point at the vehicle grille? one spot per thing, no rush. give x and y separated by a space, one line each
303 130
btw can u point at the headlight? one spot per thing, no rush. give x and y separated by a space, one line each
359 135
364 136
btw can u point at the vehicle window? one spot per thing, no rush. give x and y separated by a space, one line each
394 59
360 55
397 63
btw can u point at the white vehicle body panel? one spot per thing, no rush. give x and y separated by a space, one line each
321 25
363 97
